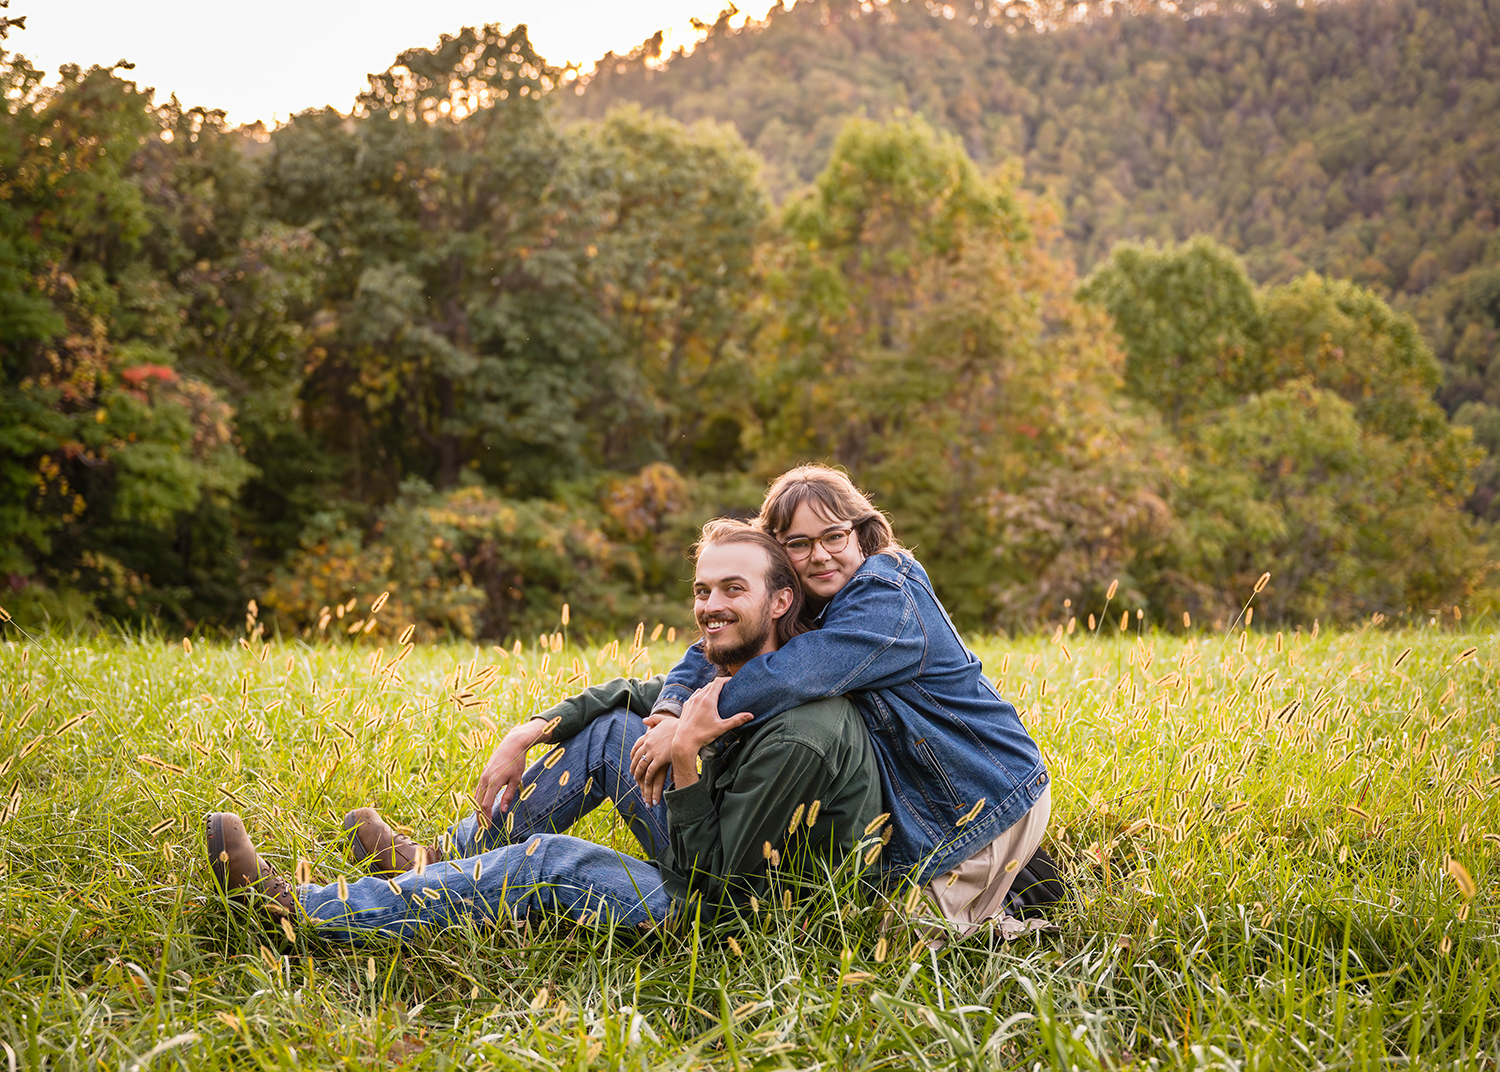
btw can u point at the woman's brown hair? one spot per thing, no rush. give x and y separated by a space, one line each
832 494
779 571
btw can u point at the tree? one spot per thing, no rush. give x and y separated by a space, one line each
463 330
109 456
1189 320
1292 482
683 211
927 342
1344 338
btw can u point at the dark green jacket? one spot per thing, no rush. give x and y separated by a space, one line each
750 788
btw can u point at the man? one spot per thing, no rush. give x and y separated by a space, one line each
711 838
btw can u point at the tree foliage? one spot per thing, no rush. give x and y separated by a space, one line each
1349 139
456 348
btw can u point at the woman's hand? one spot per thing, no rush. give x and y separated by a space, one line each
700 725
651 757
502 774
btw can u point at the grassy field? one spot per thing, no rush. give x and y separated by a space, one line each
1259 829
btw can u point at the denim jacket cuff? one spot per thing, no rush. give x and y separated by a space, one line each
672 692
666 706
688 805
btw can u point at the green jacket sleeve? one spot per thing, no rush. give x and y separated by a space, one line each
576 712
719 850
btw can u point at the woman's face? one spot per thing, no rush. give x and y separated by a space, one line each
823 572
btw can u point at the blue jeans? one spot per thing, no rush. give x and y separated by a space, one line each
528 863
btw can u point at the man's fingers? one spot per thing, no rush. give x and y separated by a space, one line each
740 719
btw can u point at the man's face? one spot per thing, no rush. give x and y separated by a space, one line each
732 605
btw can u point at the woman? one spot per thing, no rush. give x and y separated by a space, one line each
964 783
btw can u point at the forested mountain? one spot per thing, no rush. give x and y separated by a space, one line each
1358 139
469 348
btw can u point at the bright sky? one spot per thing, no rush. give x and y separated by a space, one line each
271 59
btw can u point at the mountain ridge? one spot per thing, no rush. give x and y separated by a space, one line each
1355 139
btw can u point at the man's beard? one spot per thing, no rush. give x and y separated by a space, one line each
753 635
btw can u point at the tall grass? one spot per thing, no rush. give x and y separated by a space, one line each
1259 830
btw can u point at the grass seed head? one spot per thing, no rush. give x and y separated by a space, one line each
1460 875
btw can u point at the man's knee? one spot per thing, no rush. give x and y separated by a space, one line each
609 739
621 724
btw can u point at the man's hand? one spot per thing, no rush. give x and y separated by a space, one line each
651 757
502 774
700 724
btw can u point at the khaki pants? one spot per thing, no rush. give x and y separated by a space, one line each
974 891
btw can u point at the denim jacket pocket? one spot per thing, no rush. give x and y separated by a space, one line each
937 775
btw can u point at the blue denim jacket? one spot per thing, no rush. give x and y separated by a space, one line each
947 745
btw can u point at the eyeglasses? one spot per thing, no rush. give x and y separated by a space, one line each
799 547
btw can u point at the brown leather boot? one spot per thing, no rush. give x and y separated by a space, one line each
372 841
239 869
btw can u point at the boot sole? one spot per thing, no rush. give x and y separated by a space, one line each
213 835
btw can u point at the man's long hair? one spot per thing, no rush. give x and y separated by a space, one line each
779 571
832 494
